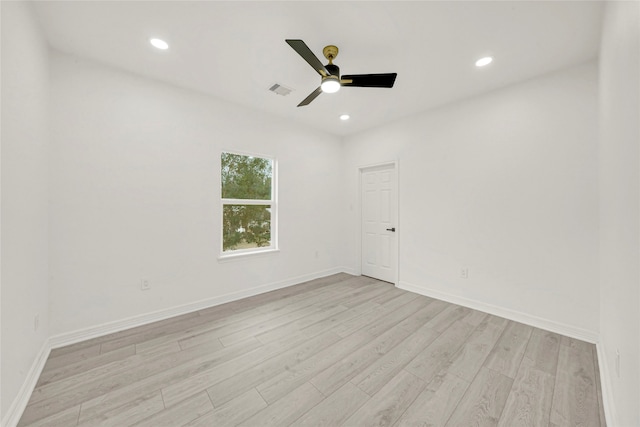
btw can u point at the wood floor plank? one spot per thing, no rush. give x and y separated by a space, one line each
280 385
336 375
529 402
116 397
167 348
484 400
335 409
207 378
397 302
468 360
116 335
391 295
378 374
323 302
241 321
543 350
160 331
424 315
284 330
277 301
356 290
127 414
335 350
446 317
179 414
236 385
575 395
50 375
337 323
392 318
437 355
184 329
102 384
80 355
72 348
386 406
115 373
265 326
288 409
436 403
475 318
233 412
66 418
509 351
362 320
264 300
576 343
380 290
181 329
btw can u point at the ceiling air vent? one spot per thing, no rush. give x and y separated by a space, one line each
280 90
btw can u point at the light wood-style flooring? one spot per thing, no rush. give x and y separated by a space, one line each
341 350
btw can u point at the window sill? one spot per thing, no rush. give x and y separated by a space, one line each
249 254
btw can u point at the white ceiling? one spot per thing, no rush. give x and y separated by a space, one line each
236 50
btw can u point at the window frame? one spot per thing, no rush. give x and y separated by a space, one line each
273 202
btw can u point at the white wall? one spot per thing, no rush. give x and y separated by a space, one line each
135 194
619 208
25 168
504 184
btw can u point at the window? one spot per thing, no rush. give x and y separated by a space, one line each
248 204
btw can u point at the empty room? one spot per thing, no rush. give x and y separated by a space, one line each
319 213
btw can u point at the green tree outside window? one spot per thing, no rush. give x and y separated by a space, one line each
247 201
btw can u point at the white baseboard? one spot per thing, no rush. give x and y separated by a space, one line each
538 322
610 414
12 417
68 338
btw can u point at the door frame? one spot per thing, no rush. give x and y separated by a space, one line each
394 164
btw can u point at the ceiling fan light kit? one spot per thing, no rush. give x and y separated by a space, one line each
330 84
330 73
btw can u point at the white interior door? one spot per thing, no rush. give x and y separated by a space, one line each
379 231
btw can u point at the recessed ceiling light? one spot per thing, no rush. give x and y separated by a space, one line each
484 61
160 44
344 117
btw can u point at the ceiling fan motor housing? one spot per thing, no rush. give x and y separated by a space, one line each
333 69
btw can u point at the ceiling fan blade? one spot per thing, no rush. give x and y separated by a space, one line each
311 97
369 80
304 51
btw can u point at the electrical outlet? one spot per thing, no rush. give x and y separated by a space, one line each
464 273
36 322
145 285
618 363
317 254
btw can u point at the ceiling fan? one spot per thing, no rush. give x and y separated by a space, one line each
330 73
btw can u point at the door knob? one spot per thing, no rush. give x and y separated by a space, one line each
391 229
